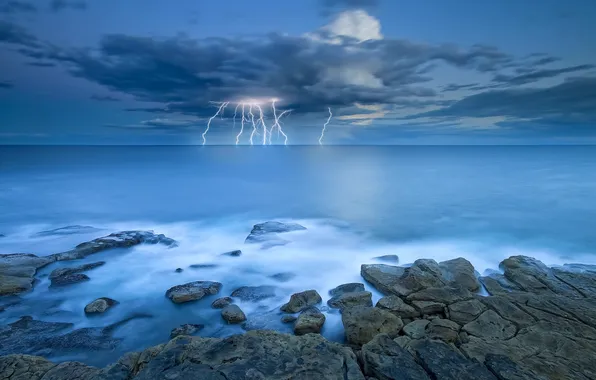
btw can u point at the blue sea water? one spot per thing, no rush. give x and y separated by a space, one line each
484 203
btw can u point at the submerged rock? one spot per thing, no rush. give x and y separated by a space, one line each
268 231
220 303
17 271
311 320
301 301
100 305
68 230
233 314
193 291
392 259
67 276
187 329
234 253
283 277
69 279
179 270
254 293
203 266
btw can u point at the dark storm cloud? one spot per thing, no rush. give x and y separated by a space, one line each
574 100
160 125
60 5
16 6
104 98
456 87
536 75
11 33
6 85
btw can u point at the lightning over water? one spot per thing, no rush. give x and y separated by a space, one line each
325 126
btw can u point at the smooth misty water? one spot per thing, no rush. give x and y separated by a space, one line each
482 203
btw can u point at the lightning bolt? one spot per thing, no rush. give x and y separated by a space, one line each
222 106
252 120
262 121
241 125
325 126
276 123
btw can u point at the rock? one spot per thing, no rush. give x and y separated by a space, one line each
254 293
496 284
383 277
443 329
402 340
505 369
288 318
72 370
69 279
124 239
283 277
220 303
233 314
398 307
416 329
442 362
346 288
68 230
267 231
490 325
24 367
193 291
392 259
100 305
505 306
234 253
179 270
446 295
56 273
187 329
428 307
362 324
386 360
465 311
461 272
202 266
17 271
352 299
301 301
311 320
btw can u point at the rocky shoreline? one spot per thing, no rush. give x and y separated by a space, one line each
435 321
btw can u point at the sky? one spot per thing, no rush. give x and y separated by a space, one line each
369 71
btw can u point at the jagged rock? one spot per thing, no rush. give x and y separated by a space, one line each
465 311
124 239
100 305
17 271
56 273
398 307
233 314
428 307
288 318
393 259
193 291
362 324
347 288
24 367
442 362
416 329
461 272
267 231
443 329
254 293
351 299
310 320
186 329
505 369
69 279
68 230
234 253
386 360
581 277
491 325
301 301
446 295
283 277
220 303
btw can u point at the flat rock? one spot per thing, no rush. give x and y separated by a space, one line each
491 325
505 369
384 359
263 232
398 307
428 307
301 301
347 288
465 311
193 291
17 271
351 299
24 367
382 276
416 329
254 293
310 320
445 294
443 329
232 314
362 324
220 303
69 279
186 329
100 305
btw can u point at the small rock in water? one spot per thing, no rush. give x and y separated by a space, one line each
100 305
310 320
220 303
283 277
178 270
266 231
346 288
193 291
69 279
203 266
392 259
301 301
68 271
233 314
254 293
288 318
187 329
235 253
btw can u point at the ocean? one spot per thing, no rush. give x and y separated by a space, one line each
484 203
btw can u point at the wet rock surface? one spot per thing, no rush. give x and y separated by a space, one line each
17 272
254 293
220 303
186 329
193 291
232 314
309 321
100 305
69 279
301 301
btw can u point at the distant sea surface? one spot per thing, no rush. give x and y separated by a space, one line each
484 203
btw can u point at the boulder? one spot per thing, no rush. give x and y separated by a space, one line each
398 307
220 303
100 305
443 329
263 232
347 288
416 329
301 301
362 324
193 291
254 293
384 359
461 273
69 279
383 277
310 320
232 314
186 329
351 299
